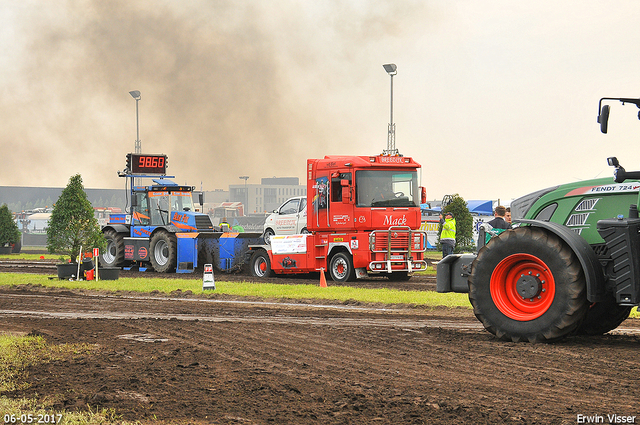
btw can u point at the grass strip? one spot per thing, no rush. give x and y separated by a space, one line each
249 289
29 257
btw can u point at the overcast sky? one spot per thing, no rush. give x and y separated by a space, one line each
495 98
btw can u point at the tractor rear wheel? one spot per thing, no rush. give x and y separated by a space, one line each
341 267
163 252
603 317
260 265
527 285
113 256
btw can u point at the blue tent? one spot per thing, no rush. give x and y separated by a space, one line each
427 207
475 207
480 207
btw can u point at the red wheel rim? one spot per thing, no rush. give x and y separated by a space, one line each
522 287
262 266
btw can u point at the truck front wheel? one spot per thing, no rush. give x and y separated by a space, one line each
341 267
113 256
163 250
260 266
528 285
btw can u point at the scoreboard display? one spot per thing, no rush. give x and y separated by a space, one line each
147 164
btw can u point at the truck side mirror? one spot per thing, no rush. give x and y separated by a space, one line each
613 161
603 118
423 195
201 198
134 200
346 193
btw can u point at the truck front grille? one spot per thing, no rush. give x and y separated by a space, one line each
397 239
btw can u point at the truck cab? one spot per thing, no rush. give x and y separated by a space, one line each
363 217
364 193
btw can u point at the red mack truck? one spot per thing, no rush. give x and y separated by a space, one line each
363 217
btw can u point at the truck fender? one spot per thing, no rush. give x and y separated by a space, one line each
337 247
593 272
118 228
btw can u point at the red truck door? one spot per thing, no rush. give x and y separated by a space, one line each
341 201
319 218
332 204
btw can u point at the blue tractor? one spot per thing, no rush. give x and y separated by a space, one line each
163 229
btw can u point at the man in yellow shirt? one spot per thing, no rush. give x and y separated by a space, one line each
448 235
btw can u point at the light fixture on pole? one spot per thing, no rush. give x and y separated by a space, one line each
246 194
391 150
136 95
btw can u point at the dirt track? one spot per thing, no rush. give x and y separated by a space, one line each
183 359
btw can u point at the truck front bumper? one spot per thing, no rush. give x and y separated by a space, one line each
390 266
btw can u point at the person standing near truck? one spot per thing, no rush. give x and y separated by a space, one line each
499 221
224 225
448 235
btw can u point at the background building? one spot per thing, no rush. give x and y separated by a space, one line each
268 195
257 198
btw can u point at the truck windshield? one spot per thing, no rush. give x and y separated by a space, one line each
387 188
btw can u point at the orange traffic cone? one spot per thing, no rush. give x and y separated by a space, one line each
323 280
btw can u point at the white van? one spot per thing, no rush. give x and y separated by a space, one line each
288 219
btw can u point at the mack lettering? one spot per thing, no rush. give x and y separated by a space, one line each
395 221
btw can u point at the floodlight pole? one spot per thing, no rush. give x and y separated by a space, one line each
138 146
136 95
391 150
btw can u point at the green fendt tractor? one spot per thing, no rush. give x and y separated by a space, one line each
570 264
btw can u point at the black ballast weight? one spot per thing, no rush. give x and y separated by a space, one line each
623 243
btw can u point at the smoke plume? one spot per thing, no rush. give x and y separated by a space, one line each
228 88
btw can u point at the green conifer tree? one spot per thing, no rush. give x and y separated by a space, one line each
72 224
9 232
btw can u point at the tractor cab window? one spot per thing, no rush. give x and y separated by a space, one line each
141 212
181 201
160 202
387 188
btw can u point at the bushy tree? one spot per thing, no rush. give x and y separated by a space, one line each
9 232
464 223
72 224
